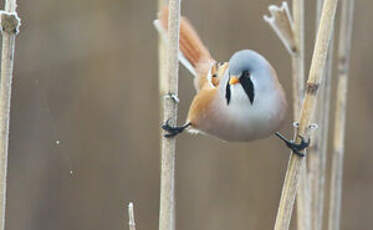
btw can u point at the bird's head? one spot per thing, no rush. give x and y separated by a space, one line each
247 74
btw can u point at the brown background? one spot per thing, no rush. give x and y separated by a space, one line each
86 75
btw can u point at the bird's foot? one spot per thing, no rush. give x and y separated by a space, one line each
173 131
296 148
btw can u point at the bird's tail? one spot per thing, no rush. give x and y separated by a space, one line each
194 53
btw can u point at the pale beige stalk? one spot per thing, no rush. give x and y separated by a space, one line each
282 24
318 150
344 47
167 196
298 57
306 116
10 25
303 194
131 217
162 71
291 33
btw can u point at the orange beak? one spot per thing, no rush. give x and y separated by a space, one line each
234 80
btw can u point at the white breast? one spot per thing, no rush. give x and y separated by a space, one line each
242 121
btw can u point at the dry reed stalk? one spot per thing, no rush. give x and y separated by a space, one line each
318 150
167 196
10 24
291 33
162 79
282 24
344 48
298 57
303 194
131 217
306 116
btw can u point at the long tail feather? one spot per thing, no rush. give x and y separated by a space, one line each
183 60
191 46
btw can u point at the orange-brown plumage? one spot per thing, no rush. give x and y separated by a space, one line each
201 106
192 48
239 100
200 58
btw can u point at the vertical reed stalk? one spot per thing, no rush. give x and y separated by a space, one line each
318 150
344 47
162 79
131 217
9 23
167 196
303 194
298 57
306 116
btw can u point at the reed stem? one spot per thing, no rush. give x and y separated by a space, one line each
344 47
10 23
303 194
167 196
131 217
296 163
318 150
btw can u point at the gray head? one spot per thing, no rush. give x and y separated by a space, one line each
246 60
251 70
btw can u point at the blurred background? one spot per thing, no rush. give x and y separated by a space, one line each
85 120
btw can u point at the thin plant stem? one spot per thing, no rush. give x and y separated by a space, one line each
303 194
298 57
131 217
167 194
10 23
296 162
282 24
162 71
344 47
318 150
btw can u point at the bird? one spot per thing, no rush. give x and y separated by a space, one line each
240 100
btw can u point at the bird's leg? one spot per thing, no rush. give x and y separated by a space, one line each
296 148
173 131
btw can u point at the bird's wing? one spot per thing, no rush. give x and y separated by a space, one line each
201 108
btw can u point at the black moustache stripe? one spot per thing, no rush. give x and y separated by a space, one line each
248 86
228 92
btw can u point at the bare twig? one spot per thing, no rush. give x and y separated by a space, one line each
317 66
10 24
344 48
167 197
131 217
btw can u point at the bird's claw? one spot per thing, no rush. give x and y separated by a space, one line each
173 131
296 148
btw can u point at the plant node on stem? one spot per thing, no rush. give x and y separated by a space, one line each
10 23
297 163
167 196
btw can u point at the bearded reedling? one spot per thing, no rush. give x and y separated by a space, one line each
239 100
